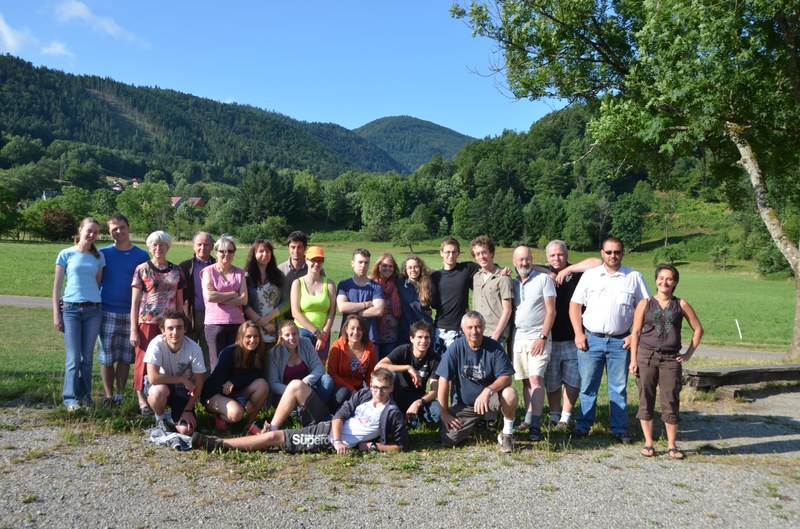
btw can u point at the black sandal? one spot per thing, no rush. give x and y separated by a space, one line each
647 451
675 453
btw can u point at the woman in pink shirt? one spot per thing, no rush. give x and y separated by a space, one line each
225 294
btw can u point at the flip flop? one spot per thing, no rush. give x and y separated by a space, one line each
675 453
647 451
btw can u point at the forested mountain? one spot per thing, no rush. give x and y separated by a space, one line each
171 127
413 141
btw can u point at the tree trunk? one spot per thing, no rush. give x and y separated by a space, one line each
770 218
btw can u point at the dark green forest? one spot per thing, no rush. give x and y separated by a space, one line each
264 174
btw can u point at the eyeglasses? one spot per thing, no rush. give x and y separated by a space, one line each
317 261
612 252
380 388
226 252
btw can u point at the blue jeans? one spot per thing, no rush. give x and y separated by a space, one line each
81 327
324 388
608 353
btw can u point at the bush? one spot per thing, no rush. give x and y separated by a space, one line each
58 224
720 257
670 254
273 228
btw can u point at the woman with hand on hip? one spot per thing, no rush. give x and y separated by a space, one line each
82 267
656 357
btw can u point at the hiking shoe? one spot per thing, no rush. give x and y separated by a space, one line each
578 434
523 427
506 442
623 438
166 425
73 407
562 427
208 443
146 411
535 435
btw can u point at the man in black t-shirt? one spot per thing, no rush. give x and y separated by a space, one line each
562 370
413 365
450 291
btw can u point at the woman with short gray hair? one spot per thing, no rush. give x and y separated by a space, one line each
225 294
157 287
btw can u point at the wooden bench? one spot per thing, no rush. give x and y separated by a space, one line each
712 377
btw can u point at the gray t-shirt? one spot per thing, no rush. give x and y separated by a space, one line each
529 304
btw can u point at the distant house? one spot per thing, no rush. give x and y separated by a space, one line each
46 195
195 202
117 187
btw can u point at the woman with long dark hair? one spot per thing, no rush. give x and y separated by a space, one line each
352 359
267 290
237 387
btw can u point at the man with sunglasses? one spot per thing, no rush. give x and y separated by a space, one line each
369 421
610 293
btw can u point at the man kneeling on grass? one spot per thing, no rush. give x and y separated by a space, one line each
175 374
369 421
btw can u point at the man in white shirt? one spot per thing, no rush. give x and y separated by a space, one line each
610 293
368 421
175 374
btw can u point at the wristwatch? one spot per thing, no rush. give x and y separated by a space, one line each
542 336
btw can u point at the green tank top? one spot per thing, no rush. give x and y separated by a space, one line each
315 308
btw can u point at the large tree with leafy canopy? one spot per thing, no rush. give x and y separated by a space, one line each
670 77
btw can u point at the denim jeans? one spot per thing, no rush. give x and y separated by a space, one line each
608 353
324 388
81 327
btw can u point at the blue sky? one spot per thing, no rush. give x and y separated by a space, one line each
346 62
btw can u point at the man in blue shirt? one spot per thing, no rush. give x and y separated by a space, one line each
122 258
478 371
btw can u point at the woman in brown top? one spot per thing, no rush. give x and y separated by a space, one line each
656 359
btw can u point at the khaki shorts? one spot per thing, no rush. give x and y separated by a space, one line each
525 365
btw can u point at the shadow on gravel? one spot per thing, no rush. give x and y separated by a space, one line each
769 423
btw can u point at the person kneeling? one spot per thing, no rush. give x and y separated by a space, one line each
175 373
369 421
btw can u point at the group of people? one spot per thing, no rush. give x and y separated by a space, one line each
409 350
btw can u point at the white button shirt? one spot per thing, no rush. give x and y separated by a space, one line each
610 298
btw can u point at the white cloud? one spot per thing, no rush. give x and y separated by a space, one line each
60 49
71 10
14 40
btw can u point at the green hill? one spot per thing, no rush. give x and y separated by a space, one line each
413 141
171 126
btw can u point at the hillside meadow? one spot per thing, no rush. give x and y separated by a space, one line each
764 308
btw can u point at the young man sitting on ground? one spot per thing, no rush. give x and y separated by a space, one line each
369 421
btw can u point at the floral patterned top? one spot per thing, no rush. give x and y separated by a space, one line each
159 290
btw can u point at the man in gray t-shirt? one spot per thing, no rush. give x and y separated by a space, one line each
535 304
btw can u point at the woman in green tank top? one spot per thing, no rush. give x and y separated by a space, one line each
312 299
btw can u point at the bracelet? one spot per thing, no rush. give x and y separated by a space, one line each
338 442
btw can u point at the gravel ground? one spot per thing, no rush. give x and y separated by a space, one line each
742 470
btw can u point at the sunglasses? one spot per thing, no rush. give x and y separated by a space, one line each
226 252
612 252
